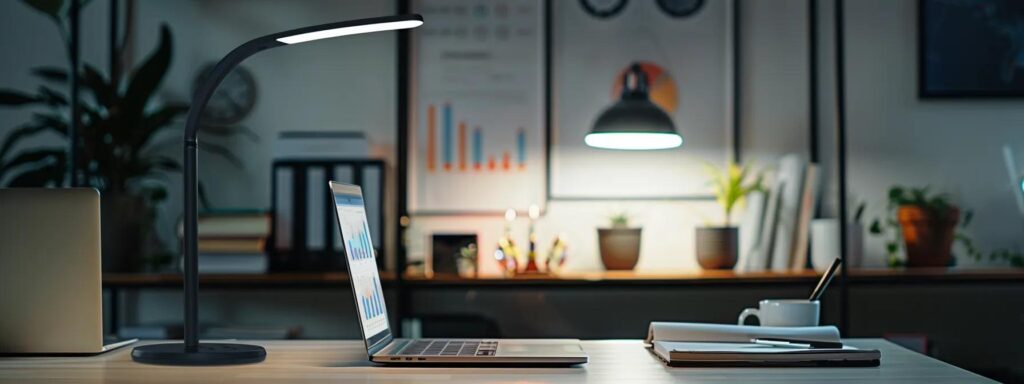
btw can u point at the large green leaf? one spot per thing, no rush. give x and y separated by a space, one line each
49 175
52 74
147 78
16 98
32 160
153 122
51 8
51 97
100 87
26 131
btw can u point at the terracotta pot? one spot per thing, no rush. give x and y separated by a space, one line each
620 248
717 247
928 239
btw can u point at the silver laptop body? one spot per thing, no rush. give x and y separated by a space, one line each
382 347
50 274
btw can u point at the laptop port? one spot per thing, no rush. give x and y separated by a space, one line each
421 359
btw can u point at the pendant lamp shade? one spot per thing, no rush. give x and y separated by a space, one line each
634 122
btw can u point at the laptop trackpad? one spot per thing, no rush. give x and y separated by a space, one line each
512 349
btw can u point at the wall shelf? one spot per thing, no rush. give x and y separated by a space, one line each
609 278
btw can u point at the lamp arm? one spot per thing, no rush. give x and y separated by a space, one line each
191 183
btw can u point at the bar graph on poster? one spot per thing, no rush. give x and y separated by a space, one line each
477 106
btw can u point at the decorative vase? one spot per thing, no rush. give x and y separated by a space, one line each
123 223
717 247
928 237
825 244
620 247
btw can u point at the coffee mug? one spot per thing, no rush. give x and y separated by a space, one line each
784 313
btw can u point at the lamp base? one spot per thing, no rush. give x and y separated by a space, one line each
205 354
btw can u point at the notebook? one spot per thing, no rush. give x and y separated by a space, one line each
717 345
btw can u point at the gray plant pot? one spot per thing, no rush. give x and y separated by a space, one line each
717 247
620 248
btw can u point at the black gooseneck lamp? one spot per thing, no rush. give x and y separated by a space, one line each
634 122
191 351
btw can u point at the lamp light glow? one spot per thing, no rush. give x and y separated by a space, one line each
633 141
634 122
352 30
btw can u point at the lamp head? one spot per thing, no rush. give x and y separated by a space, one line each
634 122
326 31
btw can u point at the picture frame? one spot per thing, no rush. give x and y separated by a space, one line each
474 107
963 52
577 99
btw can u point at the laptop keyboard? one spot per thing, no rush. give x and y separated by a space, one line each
450 348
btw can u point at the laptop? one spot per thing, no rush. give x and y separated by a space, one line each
383 347
50 274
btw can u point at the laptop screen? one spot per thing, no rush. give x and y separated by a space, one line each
362 263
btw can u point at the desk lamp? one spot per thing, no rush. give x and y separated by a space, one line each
191 351
634 122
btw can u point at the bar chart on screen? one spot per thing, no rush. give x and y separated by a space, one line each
360 245
371 299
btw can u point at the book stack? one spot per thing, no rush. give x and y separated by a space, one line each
774 229
233 242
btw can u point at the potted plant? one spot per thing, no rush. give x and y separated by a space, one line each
924 222
926 225
717 245
120 143
620 244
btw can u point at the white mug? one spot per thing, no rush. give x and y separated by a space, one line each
784 313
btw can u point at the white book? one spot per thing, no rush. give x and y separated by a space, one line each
791 174
306 145
700 344
233 263
758 261
316 193
750 227
807 203
283 211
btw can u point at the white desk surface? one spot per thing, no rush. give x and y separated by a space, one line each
611 361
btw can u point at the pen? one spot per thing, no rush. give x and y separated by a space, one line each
794 343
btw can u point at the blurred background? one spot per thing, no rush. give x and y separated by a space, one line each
492 215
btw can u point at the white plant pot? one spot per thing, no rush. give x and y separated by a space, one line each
825 244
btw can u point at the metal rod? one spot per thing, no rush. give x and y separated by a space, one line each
115 50
72 160
737 70
844 293
812 63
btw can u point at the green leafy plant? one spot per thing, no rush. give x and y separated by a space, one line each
120 130
937 205
619 220
731 185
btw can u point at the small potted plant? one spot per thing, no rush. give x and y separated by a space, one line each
619 245
925 222
717 245
926 225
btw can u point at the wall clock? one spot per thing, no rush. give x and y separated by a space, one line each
603 9
233 100
680 8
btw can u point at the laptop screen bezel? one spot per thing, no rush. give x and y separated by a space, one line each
377 342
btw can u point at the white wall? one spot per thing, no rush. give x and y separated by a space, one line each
895 138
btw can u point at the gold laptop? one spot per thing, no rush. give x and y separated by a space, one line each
50 276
